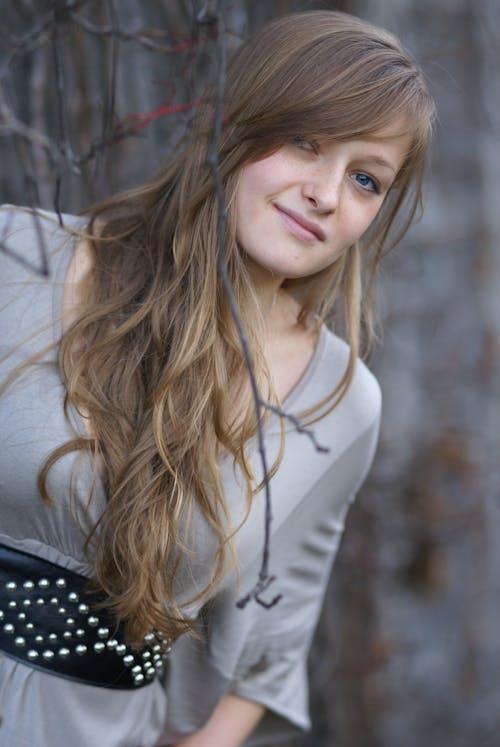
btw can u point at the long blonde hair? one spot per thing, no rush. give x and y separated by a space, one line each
155 350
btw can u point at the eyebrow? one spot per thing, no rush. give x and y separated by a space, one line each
381 162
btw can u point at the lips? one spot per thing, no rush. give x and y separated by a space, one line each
299 225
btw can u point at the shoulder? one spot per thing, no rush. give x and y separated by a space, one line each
364 396
80 265
35 251
28 235
29 238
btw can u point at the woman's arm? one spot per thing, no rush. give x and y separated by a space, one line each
232 721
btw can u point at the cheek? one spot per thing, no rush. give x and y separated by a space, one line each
263 177
364 219
256 186
248 191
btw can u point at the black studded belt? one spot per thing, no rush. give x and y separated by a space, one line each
47 620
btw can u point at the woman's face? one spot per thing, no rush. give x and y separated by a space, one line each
300 208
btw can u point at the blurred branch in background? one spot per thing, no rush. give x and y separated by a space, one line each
79 74
93 95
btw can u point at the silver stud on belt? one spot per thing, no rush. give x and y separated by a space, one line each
38 645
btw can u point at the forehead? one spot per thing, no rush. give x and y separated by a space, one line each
399 127
395 139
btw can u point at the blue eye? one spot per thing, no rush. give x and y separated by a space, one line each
367 182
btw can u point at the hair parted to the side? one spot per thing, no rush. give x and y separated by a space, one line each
155 351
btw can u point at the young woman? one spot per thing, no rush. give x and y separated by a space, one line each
130 447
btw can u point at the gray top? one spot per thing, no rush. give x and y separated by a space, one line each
256 653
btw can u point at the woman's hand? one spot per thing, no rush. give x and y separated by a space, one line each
232 721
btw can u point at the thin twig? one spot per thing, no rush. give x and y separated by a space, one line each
264 579
111 92
297 425
44 262
142 37
60 17
110 98
130 127
42 270
35 38
24 44
25 157
10 125
62 153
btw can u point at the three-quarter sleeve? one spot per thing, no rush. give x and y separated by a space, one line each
261 654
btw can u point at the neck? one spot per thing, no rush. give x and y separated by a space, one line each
279 308
267 288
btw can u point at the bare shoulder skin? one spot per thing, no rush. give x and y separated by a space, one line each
79 267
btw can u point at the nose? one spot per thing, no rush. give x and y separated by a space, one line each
322 191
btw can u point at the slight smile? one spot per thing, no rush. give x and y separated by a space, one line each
300 226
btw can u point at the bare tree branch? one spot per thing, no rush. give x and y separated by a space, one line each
214 15
64 144
264 579
145 37
43 269
110 96
11 125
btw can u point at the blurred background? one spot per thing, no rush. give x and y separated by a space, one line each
95 95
